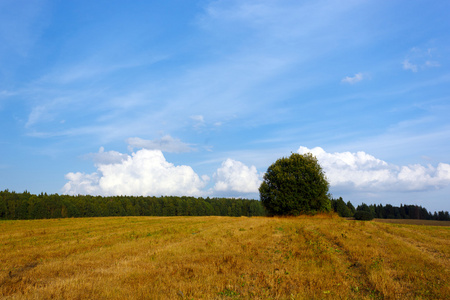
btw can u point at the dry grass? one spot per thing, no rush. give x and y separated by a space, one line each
414 222
322 257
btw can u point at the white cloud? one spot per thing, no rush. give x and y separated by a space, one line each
198 118
432 64
418 59
145 172
199 121
352 80
22 23
364 172
166 144
109 157
6 93
83 71
37 114
407 65
235 176
81 183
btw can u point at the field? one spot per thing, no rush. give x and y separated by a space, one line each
321 257
414 222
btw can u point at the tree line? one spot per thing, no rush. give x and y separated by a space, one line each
14 206
387 211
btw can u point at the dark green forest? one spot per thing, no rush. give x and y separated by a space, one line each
22 206
388 211
15 206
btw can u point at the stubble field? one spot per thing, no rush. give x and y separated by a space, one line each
321 257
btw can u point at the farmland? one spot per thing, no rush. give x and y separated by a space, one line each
320 257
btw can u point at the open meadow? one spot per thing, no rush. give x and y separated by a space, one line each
321 257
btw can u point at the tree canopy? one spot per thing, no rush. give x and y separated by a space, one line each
28 206
295 185
343 210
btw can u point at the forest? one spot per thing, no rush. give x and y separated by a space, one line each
15 206
23 206
388 211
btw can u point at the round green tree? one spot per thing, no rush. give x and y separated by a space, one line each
295 185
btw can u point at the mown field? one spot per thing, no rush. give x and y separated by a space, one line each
414 222
322 257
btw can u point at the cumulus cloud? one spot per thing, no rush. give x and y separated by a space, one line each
81 183
364 172
145 172
352 80
235 176
166 144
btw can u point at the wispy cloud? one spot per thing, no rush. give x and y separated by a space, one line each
82 71
94 67
236 78
6 93
418 59
165 144
432 64
352 80
108 157
199 121
37 114
407 65
22 25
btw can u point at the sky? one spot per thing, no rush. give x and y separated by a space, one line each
199 98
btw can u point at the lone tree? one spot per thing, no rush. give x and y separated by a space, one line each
295 185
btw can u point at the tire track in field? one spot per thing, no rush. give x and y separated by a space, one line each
355 265
435 285
433 255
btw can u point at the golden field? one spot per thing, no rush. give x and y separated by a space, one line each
321 257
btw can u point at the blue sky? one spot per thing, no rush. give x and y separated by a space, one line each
200 97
